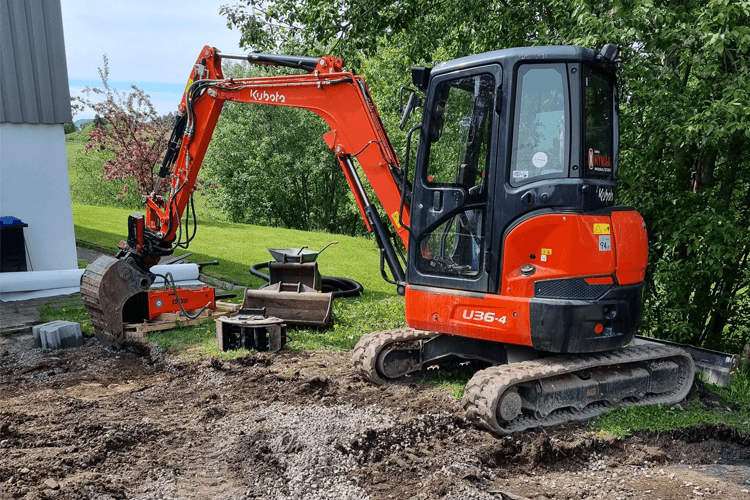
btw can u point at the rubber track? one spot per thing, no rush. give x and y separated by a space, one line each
485 387
365 354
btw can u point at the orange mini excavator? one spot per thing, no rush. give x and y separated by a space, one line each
516 257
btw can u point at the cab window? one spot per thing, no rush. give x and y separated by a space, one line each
459 131
459 142
598 111
540 139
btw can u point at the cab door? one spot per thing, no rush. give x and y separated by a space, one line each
451 212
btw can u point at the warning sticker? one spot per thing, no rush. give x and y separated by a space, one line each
546 251
520 174
602 161
601 229
396 220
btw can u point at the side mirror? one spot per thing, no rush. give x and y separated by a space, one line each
420 76
406 111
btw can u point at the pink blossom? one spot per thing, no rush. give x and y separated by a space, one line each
129 128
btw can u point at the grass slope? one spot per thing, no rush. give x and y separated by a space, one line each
238 246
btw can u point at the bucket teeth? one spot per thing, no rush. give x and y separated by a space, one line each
106 285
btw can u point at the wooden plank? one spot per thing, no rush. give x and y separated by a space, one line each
169 321
227 305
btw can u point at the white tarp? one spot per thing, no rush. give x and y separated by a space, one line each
35 284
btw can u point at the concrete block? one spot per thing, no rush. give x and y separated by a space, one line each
58 335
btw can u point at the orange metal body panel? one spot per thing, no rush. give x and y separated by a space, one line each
497 318
563 246
632 246
559 246
164 301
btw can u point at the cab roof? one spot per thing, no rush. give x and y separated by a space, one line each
510 57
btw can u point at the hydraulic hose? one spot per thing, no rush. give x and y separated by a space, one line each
339 287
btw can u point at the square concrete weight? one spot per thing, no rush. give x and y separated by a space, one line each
58 335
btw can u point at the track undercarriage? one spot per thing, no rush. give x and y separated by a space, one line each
522 393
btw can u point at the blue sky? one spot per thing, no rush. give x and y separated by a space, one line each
150 43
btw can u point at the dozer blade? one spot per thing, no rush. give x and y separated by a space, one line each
296 304
717 367
106 285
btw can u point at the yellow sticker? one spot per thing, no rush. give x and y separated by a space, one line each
601 228
546 251
396 221
190 82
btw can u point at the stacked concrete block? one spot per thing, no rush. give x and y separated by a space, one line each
58 335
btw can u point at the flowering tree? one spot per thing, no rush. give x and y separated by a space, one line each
130 129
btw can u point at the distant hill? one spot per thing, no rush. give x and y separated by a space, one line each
83 121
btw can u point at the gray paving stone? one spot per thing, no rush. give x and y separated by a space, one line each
58 335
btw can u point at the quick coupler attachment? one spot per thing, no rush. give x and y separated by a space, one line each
249 328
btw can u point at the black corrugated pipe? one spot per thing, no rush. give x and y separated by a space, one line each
340 287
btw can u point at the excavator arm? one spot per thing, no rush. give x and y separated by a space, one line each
341 98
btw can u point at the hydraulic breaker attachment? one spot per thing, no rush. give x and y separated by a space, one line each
167 300
106 286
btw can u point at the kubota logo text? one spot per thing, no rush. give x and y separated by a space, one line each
257 95
605 194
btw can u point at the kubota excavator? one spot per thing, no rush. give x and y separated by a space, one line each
516 256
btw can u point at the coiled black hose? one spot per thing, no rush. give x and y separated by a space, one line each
339 287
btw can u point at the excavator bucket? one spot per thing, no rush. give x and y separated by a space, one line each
296 304
106 286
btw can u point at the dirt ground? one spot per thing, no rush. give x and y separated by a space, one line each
99 423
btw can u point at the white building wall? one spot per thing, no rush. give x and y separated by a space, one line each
34 187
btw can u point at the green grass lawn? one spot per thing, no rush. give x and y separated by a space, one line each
238 246
622 421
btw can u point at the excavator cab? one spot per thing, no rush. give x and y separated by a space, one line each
513 197
516 251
